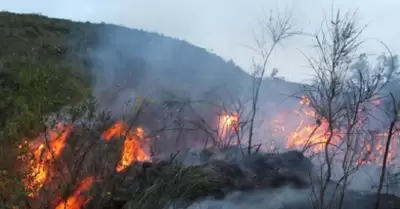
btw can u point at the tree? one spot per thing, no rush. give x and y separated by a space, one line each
274 30
393 114
341 94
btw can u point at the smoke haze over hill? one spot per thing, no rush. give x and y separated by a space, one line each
223 26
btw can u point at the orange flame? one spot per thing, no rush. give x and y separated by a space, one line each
228 123
305 100
132 149
310 137
376 152
77 199
44 154
314 137
117 130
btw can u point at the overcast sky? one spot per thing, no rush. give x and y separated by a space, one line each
224 26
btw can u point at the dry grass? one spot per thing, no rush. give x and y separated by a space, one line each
168 183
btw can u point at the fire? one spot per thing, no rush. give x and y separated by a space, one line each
313 137
44 154
132 149
117 130
305 100
48 147
77 199
228 123
376 151
278 125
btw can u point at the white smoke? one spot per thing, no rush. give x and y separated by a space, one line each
262 199
283 197
287 198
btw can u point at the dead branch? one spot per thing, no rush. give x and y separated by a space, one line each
277 29
337 97
387 148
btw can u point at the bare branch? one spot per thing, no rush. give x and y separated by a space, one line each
277 29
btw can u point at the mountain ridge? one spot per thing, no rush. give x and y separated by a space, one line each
110 62
166 55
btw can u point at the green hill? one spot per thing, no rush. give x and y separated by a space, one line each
48 63
39 73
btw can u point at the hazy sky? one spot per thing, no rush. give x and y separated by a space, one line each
224 26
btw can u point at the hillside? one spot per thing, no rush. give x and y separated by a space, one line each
47 64
112 47
110 59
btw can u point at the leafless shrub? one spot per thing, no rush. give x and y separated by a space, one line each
394 116
341 94
274 30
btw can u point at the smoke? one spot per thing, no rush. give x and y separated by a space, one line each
262 199
291 166
286 198
129 63
283 195
117 72
154 61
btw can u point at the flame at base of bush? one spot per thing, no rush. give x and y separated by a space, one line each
45 167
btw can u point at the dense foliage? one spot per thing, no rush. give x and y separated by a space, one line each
38 74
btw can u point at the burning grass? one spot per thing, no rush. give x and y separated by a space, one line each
61 159
112 162
75 155
78 199
74 167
